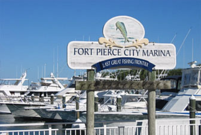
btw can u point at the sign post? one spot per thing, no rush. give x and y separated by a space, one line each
123 46
152 106
91 86
90 104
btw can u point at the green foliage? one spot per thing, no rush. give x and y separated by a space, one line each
121 74
105 73
133 72
175 72
144 74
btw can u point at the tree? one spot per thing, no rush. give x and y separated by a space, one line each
175 72
121 74
144 74
105 73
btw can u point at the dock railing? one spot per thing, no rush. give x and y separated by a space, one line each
179 126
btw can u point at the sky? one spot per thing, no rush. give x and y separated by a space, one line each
34 34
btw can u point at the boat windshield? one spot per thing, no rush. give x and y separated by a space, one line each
8 82
191 77
173 83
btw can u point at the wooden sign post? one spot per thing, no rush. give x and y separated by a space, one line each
92 86
123 46
152 106
90 104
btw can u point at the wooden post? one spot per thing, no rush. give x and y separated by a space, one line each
150 85
77 106
90 104
192 114
152 106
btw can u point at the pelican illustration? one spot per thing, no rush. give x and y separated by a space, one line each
122 28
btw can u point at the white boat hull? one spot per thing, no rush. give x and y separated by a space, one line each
18 110
4 109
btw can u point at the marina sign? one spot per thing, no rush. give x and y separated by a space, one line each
82 55
123 46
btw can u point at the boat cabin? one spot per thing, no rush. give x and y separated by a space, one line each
13 87
190 85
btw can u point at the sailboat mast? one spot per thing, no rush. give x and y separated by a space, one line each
57 63
44 70
53 61
192 49
38 73
184 41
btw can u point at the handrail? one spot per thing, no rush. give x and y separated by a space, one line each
138 127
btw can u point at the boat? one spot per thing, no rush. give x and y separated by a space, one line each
11 90
49 86
176 106
46 87
52 111
177 100
13 87
190 86
69 112
39 92
165 95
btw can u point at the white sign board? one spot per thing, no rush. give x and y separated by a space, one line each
82 55
123 45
